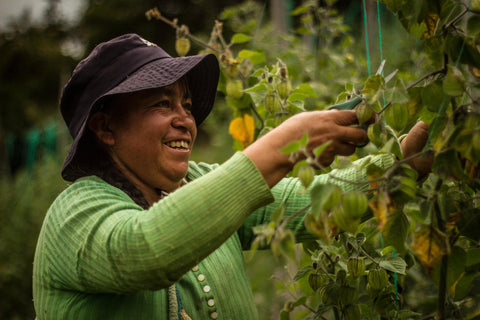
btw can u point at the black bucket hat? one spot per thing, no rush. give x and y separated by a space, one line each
130 63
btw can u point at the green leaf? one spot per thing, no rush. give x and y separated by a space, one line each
349 87
402 314
278 213
394 264
299 10
304 140
473 25
255 57
397 95
287 244
300 301
318 151
454 83
456 266
257 93
387 250
303 272
306 90
292 147
418 29
473 259
324 196
298 104
284 315
240 38
448 163
373 84
464 285
395 231
469 223
434 97
393 146
433 47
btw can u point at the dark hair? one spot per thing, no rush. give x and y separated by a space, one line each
93 160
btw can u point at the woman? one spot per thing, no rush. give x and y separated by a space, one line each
142 233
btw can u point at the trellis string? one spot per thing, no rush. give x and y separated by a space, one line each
384 102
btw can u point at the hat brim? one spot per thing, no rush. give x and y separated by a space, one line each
202 74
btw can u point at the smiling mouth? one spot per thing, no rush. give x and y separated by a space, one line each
178 144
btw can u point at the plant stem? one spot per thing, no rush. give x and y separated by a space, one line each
425 77
442 290
175 25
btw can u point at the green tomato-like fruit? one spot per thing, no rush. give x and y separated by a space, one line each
363 112
234 89
355 204
356 267
396 116
347 295
377 279
352 312
272 103
306 174
283 88
329 293
182 46
315 280
344 221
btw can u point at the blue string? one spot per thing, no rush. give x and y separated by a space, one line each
179 301
366 37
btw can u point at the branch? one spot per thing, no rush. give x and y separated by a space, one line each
425 77
155 13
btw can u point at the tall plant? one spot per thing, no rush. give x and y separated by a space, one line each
363 261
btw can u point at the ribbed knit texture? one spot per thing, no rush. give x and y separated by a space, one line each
101 256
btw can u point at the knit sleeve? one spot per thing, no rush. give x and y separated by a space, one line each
291 192
96 239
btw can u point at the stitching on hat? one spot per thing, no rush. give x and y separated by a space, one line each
148 43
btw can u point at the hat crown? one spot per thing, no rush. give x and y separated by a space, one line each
106 66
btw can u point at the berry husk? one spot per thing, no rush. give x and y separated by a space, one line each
356 267
377 279
182 46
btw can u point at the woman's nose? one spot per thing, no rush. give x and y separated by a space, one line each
183 118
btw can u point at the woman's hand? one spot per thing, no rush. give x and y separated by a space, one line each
413 144
335 126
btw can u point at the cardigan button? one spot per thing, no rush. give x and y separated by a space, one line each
201 277
195 268
211 302
206 289
214 315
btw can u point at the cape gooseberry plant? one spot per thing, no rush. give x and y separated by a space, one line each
373 246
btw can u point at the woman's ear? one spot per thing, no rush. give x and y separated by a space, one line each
99 125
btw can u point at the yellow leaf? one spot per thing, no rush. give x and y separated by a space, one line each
381 206
243 129
430 245
453 218
431 21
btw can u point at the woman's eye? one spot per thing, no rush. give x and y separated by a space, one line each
162 104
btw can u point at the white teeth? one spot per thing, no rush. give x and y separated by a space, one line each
178 144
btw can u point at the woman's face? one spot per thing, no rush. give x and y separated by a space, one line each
153 133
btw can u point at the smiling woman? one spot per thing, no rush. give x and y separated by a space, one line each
149 135
144 233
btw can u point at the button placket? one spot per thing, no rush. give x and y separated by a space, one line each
207 290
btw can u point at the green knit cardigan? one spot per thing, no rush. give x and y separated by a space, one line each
101 256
